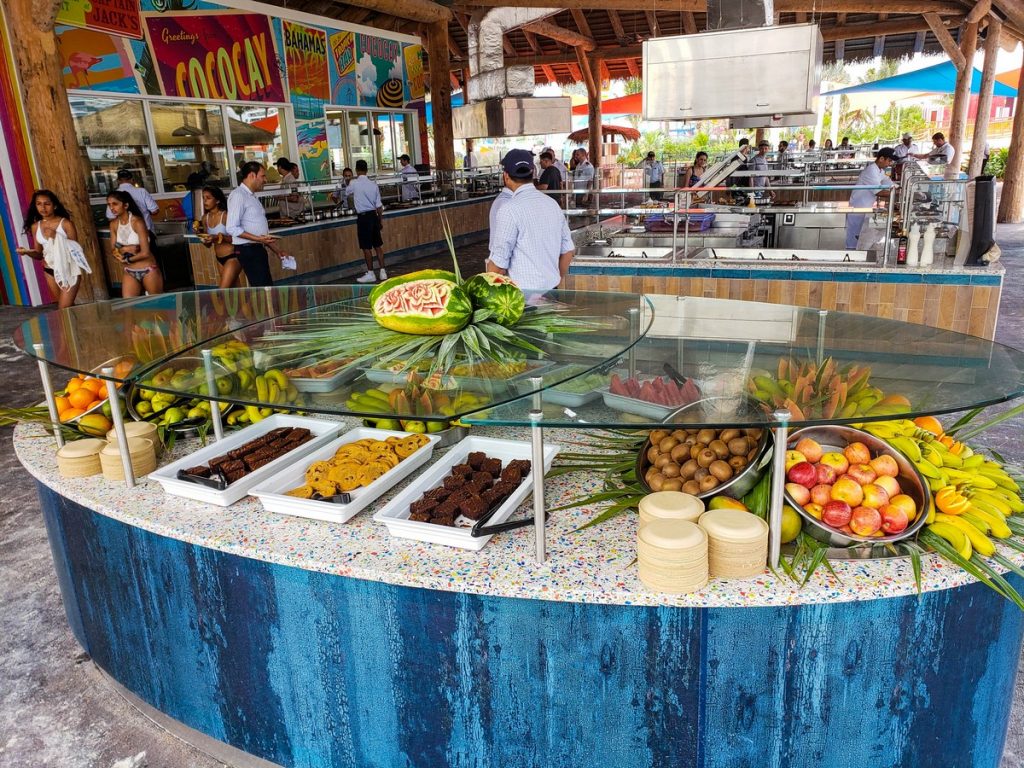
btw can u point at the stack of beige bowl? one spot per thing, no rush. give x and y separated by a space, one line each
672 555
143 429
143 455
670 505
80 458
737 543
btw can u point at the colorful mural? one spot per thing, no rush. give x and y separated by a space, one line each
96 61
380 79
305 55
343 69
121 17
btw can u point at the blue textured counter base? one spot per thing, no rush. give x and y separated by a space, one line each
308 669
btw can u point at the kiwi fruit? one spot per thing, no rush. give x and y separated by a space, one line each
691 487
705 457
680 453
720 470
670 470
672 484
667 444
700 474
651 472
729 434
687 469
658 435
720 448
738 446
737 462
708 483
706 436
663 459
653 453
657 482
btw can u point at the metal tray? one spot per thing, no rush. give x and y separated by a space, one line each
272 491
343 375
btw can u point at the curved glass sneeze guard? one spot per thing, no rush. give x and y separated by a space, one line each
698 362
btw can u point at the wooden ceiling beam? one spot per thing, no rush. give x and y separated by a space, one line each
675 6
561 34
631 65
617 28
652 22
581 23
880 28
417 10
549 73
979 12
1013 10
945 40
689 23
942 7
531 40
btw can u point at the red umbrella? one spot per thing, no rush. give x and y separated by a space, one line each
630 104
583 134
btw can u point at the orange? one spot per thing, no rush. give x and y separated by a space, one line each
62 403
930 424
94 385
81 398
73 384
101 395
70 413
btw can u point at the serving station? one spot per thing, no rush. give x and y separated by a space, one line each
332 639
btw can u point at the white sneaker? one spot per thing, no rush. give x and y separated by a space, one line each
367 277
383 275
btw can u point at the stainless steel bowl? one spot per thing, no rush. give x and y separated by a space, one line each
836 438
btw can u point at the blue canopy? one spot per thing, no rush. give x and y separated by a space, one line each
456 102
940 78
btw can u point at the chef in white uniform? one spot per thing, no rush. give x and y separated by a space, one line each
873 175
941 152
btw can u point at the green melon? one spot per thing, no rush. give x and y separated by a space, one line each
423 274
498 293
432 307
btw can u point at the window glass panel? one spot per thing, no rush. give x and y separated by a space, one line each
336 141
360 141
112 135
384 141
257 134
403 136
190 145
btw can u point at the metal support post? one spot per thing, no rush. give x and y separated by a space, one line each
675 225
634 332
118 419
686 227
888 227
51 402
781 418
211 386
537 453
822 314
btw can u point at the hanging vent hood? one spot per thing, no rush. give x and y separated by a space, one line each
759 77
499 99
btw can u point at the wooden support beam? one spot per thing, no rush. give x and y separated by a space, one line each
943 7
592 77
574 70
879 47
506 44
689 23
919 41
606 75
652 22
617 29
1011 202
1013 10
801 17
945 39
531 40
633 67
875 29
417 10
988 78
441 95
674 6
962 95
979 12
549 73
51 127
840 50
561 34
454 50
581 23
456 85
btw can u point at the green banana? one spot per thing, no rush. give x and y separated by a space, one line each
956 537
978 522
909 448
997 525
980 543
973 461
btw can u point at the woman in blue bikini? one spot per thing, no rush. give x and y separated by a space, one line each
131 247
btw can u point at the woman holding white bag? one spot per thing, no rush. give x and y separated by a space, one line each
48 222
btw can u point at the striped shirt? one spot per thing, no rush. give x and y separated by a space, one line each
245 214
365 194
499 202
530 234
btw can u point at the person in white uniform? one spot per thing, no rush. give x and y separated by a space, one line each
941 152
873 175
410 180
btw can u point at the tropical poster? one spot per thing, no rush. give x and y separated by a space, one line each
343 69
314 158
95 61
120 17
228 56
380 80
413 55
305 55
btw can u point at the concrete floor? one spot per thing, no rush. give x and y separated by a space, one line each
57 711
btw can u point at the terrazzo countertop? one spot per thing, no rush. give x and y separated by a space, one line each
591 566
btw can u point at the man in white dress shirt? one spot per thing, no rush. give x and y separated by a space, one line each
145 201
655 173
247 225
410 180
531 242
873 175
941 152
369 221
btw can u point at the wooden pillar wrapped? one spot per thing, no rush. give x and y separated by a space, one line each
51 127
594 113
441 95
962 95
1011 202
988 78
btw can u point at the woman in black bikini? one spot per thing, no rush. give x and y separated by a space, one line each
44 215
130 243
215 235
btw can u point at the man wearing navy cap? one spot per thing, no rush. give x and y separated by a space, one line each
530 241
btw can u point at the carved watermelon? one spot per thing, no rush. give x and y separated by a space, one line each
423 274
498 293
431 307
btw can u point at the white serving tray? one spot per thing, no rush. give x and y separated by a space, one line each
323 432
468 383
635 406
272 491
395 514
326 384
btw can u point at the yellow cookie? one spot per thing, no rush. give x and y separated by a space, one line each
324 487
317 470
302 492
346 477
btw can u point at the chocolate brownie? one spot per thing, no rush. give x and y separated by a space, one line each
523 465
454 481
423 505
420 517
476 459
504 488
511 475
482 477
474 509
200 471
235 474
255 462
439 494
462 469
299 433
448 520
491 465
279 432
447 508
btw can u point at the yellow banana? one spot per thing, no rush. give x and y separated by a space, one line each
273 390
275 375
253 413
264 412
980 543
261 388
950 459
976 481
992 499
929 454
292 393
931 512
935 484
997 525
909 448
928 469
956 537
978 522
1009 497
973 461
245 378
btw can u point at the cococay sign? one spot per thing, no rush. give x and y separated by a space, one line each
216 56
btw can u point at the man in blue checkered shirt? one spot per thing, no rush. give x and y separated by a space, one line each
531 242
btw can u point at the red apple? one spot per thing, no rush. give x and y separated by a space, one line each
810 449
862 473
857 453
837 461
885 465
836 513
802 473
874 496
814 510
847 530
794 457
906 503
888 484
821 494
799 493
865 521
894 519
826 474
847 489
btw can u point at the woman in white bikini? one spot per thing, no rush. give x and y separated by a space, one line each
215 235
131 247
45 215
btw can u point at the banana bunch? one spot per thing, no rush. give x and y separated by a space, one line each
233 354
412 400
271 388
825 391
972 495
